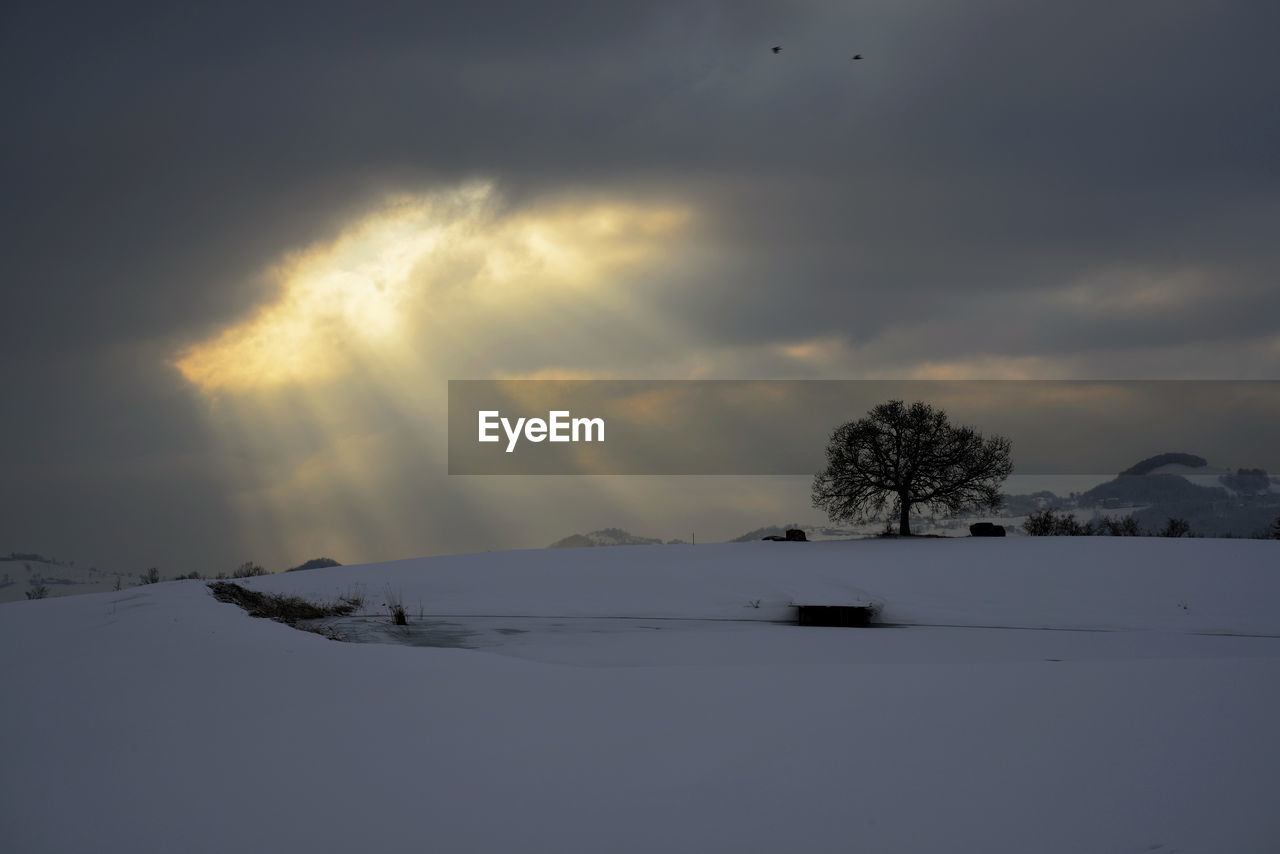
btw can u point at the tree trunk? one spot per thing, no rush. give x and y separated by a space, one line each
904 518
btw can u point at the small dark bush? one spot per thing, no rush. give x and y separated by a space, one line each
38 591
1176 528
151 576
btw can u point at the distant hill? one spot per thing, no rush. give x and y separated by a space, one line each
1129 490
1240 504
32 556
314 563
604 537
1150 464
21 572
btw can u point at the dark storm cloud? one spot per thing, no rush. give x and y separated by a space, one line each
1014 148
977 148
982 160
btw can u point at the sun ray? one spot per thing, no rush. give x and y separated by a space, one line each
334 388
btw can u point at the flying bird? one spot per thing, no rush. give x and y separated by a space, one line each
777 48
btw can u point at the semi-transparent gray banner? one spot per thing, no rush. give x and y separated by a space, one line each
781 427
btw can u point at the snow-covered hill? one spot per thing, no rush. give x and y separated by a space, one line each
603 537
1107 694
24 573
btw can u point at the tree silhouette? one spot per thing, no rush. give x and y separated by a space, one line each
907 457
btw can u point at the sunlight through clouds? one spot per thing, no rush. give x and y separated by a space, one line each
328 400
422 268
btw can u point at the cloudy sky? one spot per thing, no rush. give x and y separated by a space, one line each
247 245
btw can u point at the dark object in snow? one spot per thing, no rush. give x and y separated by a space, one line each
986 529
777 48
845 616
794 535
857 56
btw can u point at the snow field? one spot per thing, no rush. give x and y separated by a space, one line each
157 719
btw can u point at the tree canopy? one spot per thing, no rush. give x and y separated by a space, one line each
903 457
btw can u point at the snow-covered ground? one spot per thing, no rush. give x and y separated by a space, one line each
1040 695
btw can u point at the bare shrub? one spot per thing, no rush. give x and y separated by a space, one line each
395 606
1049 523
1125 526
275 606
354 597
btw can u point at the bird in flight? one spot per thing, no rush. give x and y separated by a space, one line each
777 48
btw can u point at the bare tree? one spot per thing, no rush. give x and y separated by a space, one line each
248 569
904 457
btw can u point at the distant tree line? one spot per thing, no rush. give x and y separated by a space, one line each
1049 522
1248 482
